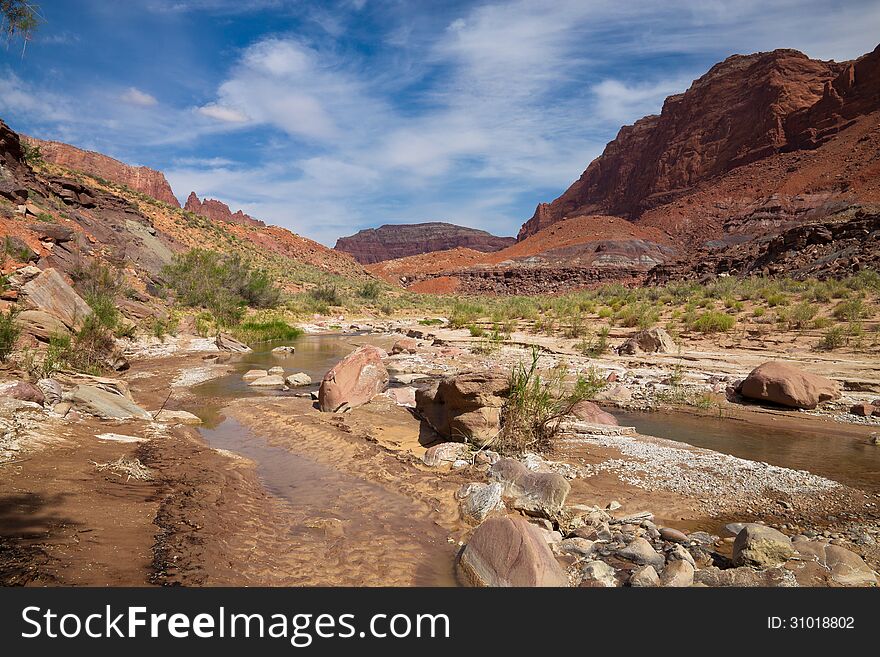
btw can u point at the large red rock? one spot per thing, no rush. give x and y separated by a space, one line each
510 551
590 412
466 407
788 385
394 241
141 179
354 380
218 211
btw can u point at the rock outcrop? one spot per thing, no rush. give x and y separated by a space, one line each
15 174
653 341
393 241
733 115
354 380
218 211
141 179
466 407
787 385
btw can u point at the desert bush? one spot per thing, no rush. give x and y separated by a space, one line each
535 406
370 290
9 333
464 313
798 316
643 314
327 293
852 310
713 321
476 331
833 338
595 345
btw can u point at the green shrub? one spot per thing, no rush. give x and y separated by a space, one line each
713 321
370 290
799 315
595 345
852 310
476 331
271 330
9 333
833 338
328 294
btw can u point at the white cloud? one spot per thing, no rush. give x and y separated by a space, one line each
620 103
221 113
134 96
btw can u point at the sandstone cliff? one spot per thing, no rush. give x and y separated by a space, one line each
141 179
219 211
744 110
401 240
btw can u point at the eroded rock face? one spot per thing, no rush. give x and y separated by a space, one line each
142 179
219 211
843 567
50 293
106 405
466 407
23 391
732 115
787 385
390 242
354 380
510 551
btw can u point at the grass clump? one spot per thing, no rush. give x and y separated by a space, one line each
9 333
536 405
271 330
713 321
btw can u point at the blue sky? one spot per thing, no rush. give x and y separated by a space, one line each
328 117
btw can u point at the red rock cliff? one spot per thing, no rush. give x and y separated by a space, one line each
394 241
744 109
142 179
219 211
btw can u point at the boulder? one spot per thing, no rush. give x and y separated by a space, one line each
167 416
270 381
52 391
284 350
641 552
41 324
745 577
276 371
105 405
403 396
843 567
253 375
466 407
644 577
678 573
226 342
590 412
864 410
761 546
580 547
672 535
653 341
405 345
788 385
298 380
477 500
354 380
615 394
23 391
597 574
50 293
539 493
443 453
510 551
52 232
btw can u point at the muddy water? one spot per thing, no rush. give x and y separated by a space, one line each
347 530
839 453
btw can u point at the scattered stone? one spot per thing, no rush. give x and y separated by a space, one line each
226 342
477 500
298 380
23 391
284 350
787 385
578 546
615 394
541 493
644 577
590 412
598 574
844 567
167 416
405 345
613 505
354 380
269 381
276 371
443 453
673 535
408 378
253 375
510 551
653 341
761 546
52 391
641 552
678 573
863 410
680 553
745 577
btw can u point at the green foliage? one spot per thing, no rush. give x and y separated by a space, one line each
833 338
476 331
271 330
852 310
595 345
798 316
713 321
327 294
223 283
370 290
535 406
464 313
9 333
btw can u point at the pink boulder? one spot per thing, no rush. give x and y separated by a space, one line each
354 380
